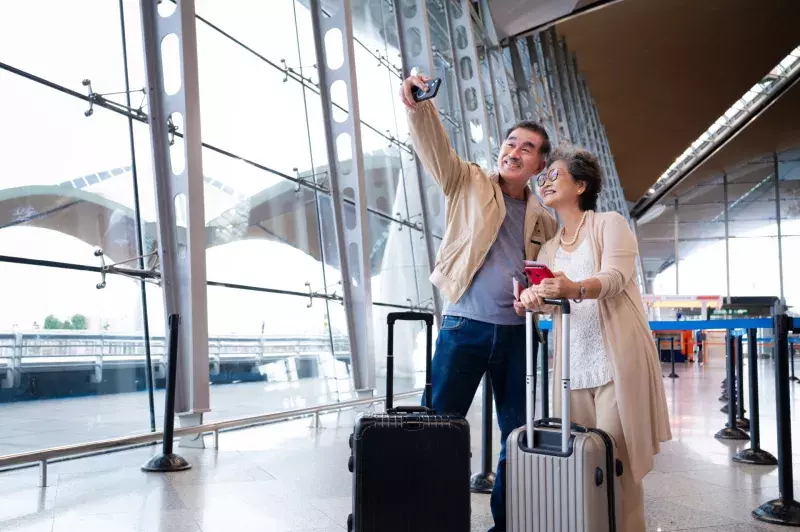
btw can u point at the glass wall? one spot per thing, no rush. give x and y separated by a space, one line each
742 221
72 356
81 361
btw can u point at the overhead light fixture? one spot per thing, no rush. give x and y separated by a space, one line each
652 214
730 118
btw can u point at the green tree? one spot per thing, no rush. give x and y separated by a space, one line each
51 322
78 321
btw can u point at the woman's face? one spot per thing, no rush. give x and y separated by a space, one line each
557 186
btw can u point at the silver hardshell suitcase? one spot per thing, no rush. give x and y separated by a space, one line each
560 477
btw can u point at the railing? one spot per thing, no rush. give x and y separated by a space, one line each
29 353
44 456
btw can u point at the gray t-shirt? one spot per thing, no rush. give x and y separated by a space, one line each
490 296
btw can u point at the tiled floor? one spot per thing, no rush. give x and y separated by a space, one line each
290 477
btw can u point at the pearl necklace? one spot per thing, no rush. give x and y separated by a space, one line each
577 231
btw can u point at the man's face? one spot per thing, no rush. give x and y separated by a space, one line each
520 157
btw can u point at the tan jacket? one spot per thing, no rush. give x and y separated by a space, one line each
627 339
475 208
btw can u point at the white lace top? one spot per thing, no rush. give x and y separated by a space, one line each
589 366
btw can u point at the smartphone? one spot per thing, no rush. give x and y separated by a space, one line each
537 272
433 89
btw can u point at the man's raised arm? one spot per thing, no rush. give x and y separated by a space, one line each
430 139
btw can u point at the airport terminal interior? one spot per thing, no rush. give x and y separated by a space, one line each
209 209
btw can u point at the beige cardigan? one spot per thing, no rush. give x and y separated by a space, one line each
627 339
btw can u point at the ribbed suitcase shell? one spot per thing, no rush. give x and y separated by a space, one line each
554 494
410 465
411 473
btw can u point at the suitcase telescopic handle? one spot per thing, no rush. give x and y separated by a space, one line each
391 319
564 305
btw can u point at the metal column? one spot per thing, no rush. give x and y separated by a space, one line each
592 130
539 74
580 106
727 237
556 90
346 171
524 98
677 237
501 92
570 102
415 21
606 149
468 72
178 174
594 126
778 220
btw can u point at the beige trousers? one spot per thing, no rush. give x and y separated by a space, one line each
597 408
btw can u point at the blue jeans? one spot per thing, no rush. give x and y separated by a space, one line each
465 350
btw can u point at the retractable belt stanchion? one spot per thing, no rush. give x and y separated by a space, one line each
483 482
545 376
658 352
729 395
784 510
731 431
741 421
167 461
672 375
754 455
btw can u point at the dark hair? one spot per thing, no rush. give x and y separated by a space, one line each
536 127
584 167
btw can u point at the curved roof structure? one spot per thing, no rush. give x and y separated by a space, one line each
283 211
662 71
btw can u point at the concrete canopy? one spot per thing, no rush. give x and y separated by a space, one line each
662 71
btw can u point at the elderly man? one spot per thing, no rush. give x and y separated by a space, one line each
494 223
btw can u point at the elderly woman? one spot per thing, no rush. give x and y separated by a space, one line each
615 373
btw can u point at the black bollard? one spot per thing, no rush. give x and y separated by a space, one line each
731 431
741 421
754 455
483 482
545 376
658 352
167 461
672 375
784 510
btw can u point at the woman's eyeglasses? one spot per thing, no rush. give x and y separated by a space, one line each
551 176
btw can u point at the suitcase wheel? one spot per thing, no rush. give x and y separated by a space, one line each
619 468
350 464
350 523
350 441
598 477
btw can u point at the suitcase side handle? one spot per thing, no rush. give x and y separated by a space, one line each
555 423
391 319
411 410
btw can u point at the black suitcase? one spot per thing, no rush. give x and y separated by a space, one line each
410 465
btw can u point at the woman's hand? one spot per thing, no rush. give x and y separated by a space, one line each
530 300
559 287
